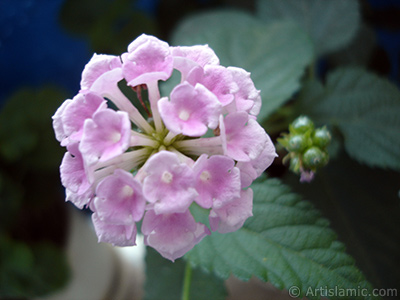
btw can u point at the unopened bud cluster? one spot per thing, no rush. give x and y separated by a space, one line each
307 147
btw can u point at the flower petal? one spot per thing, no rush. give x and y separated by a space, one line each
148 59
105 136
169 183
172 235
217 180
232 216
119 199
191 111
243 137
98 65
117 235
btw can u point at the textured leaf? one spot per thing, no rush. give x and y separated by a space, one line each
286 242
365 108
164 280
330 23
363 205
276 55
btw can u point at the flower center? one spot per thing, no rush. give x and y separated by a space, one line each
184 115
127 191
205 176
115 137
167 177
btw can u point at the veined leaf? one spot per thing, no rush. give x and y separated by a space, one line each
276 55
363 205
330 23
365 108
286 242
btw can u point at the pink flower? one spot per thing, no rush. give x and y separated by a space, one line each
105 136
172 234
169 184
243 138
217 79
115 234
252 169
74 177
188 58
73 113
58 125
199 145
200 54
191 111
247 97
231 216
148 59
119 199
97 66
217 180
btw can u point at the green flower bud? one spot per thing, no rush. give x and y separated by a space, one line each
298 143
302 124
295 164
321 137
314 157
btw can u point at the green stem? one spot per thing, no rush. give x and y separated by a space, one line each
186 282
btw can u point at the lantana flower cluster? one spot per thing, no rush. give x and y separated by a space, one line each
199 145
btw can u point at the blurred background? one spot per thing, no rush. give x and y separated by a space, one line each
44 46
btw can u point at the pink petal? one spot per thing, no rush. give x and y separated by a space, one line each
252 169
232 216
217 180
191 111
98 65
119 199
149 59
172 235
201 54
105 136
58 125
243 138
74 177
247 98
117 235
82 107
72 170
80 200
187 58
169 183
217 79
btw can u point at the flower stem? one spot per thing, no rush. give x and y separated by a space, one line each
186 281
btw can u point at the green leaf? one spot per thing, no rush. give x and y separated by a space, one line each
164 280
363 205
276 55
286 242
331 24
365 108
